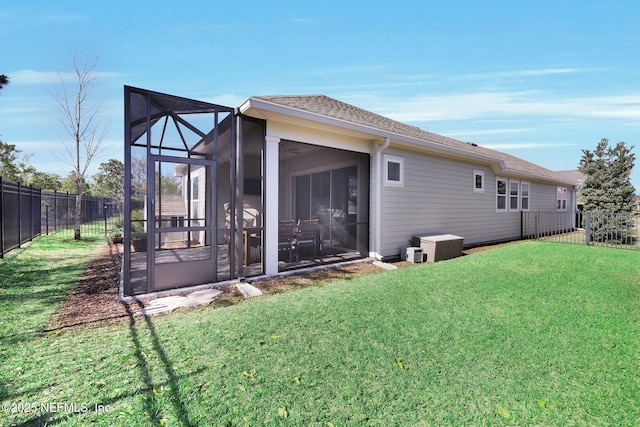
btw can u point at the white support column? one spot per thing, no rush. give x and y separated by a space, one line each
271 202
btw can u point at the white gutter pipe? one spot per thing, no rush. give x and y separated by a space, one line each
377 226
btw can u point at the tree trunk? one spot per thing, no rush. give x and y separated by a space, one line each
76 227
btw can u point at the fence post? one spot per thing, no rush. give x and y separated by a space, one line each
104 202
47 218
521 225
19 214
30 212
587 228
67 215
1 219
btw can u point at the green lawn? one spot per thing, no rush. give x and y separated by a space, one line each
528 334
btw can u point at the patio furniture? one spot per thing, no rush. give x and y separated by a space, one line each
286 237
307 235
252 232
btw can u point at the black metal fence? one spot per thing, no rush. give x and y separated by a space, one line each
19 215
59 211
616 230
26 212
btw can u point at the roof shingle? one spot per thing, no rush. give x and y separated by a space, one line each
329 107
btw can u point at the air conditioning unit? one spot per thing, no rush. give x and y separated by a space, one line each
414 255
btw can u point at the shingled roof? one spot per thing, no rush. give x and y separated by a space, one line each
325 106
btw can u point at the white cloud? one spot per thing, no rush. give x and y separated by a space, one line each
488 131
33 77
226 99
524 145
476 105
535 72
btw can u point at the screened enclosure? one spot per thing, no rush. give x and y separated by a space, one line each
195 180
193 193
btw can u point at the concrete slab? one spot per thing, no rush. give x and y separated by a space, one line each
156 309
385 265
247 290
171 303
199 298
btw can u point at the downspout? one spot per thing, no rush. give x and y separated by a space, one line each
377 226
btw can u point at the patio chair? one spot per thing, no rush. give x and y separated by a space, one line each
307 236
286 237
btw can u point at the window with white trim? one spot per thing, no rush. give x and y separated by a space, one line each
195 187
561 198
514 195
393 170
501 194
478 181
525 193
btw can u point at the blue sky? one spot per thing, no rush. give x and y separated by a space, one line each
540 80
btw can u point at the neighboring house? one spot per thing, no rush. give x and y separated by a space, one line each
369 182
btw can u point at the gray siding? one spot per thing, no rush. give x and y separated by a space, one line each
438 198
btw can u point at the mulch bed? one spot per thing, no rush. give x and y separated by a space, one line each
93 302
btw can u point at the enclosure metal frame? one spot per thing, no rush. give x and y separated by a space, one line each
137 125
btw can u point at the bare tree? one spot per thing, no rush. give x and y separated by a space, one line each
79 116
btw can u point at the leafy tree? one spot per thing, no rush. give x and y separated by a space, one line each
4 80
9 170
138 177
46 181
70 185
607 188
109 181
13 167
168 185
80 119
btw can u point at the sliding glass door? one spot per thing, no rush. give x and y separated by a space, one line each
330 196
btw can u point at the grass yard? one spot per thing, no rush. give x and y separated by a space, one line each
528 334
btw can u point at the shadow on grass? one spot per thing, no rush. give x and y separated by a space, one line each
177 403
25 297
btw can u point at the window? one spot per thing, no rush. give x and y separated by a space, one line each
393 171
501 195
194 188
561 198
478 181
514 195
525 191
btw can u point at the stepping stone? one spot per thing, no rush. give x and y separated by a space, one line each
247 290
385 265
156 309
199 298
171 303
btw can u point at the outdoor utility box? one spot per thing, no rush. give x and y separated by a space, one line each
414 255
440 247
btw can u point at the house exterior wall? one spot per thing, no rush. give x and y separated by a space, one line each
438 198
